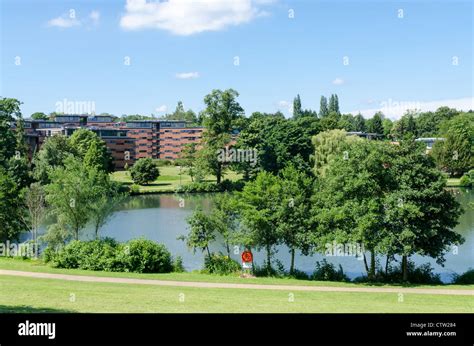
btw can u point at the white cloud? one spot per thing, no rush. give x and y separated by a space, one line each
394 109
161 109
338 81
95 17
64 22
187 75
191 16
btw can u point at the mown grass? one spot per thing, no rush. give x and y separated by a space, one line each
21 294
39 266
169 179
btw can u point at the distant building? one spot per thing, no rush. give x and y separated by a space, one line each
126 141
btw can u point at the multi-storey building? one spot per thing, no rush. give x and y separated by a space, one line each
126 141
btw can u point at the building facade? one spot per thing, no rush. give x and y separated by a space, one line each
126 141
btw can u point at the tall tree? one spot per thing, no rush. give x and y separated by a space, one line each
9 112
294 211
258 203
297 111
35 202
70 194
359 123
11 208
202 231
420 212
323 107
222 114
376 125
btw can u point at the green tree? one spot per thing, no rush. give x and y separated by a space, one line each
349 202
258 202
226 218
334 104
188 159
107 197
144 171
387 125
222 114
327 146
323 107
71 193
202 231
376 124
52 154
35 202
420 212
294 211
11 208
9 112
359 123
98 157
456 153
297 111
39 116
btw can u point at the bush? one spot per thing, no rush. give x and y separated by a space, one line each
466 278
225 185
326 271
422 274
220 264
146 256
139 255
144 171
467 179
178 266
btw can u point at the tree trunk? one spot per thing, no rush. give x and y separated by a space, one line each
96 232
386 264
372 265
208 252
228 248
366 265
405 268
269 266
292 265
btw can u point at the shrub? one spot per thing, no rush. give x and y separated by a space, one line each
326 271
220 264
466 278
139 255
422 274
144 171
178 266
146 256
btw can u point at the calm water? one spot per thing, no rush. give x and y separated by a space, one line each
162 218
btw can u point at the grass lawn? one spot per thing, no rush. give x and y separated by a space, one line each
39 266
46 295
168 180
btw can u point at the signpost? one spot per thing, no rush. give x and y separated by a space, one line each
247 259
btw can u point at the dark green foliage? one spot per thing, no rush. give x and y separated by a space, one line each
326 271
144 171
11 205
218 263
466 278
138 255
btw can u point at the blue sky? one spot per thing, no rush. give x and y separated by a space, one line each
181 50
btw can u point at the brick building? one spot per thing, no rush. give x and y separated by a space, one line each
126 141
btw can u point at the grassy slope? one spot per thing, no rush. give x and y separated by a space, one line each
38 295
168 180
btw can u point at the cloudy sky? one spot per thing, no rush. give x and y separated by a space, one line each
138 56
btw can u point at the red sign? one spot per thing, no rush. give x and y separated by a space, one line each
247 257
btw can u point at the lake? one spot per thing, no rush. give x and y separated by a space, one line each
162 218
